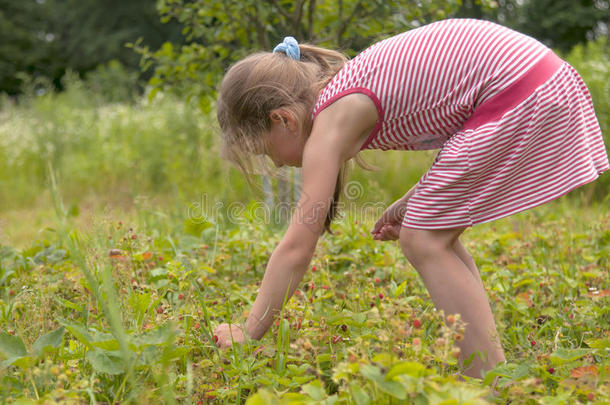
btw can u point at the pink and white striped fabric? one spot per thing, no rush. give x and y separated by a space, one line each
515 123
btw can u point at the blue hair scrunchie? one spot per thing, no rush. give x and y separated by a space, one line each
290 47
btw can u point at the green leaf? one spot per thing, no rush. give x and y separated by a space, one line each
324 357
262 397
511 371
548 311
358 394
558 399
410 368
400 289
106 362
68 304
51 340
285 334
598 343
195 225
359 318
392 388
161 335
25 401
142 304
563 355
12 346
501 370
107 344
158 272
526 281
315 390
80 333
173 354
24 362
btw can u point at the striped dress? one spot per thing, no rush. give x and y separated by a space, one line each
514 123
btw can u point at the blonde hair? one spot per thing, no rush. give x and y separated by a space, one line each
261 83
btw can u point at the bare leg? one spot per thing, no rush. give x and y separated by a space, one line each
455 289
465 257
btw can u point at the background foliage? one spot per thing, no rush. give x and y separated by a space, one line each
45 38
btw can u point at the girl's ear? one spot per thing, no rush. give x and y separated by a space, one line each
283 117
276 117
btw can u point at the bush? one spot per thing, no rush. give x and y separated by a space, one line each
164 147
592 61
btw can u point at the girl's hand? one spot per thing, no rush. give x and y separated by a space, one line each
388 225
222 335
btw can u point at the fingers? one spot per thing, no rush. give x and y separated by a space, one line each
381 234
225 335
378 225
394 232
391 216
388 232
223 342
381 224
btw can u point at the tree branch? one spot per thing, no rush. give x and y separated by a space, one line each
345 23
297 16
281 10
312 7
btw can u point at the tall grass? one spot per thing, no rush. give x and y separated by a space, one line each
119 152
154 148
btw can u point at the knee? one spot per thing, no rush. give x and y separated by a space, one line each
419 245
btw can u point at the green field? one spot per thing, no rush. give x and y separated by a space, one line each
123 311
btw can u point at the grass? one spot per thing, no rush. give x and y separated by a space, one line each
122 311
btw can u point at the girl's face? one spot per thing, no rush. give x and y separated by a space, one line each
285 143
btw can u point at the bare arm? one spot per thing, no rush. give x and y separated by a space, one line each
291 258
285 270
337 135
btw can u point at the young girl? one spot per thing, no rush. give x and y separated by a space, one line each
514 123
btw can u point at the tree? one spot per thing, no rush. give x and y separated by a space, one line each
560 24
47 37
219 32
21 48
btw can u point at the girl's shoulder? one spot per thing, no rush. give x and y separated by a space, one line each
347 122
